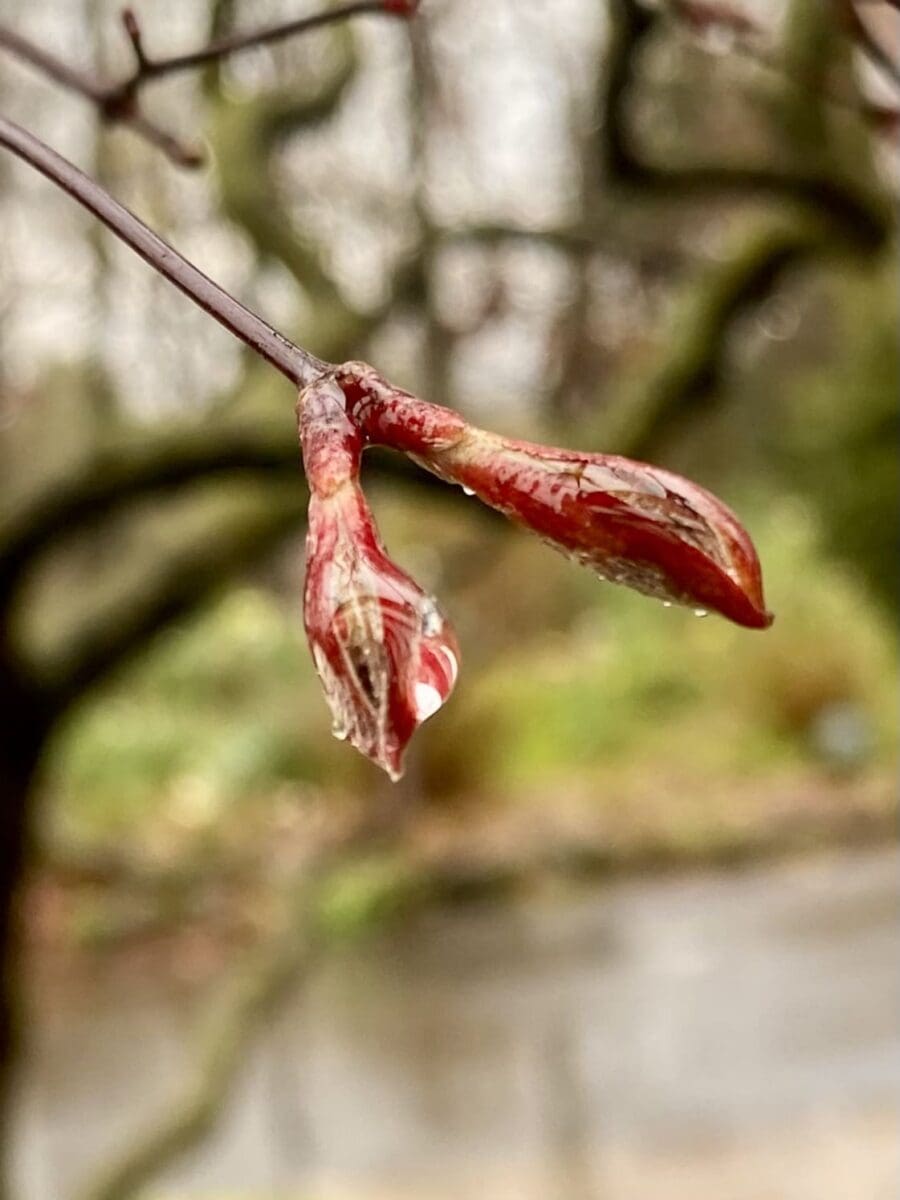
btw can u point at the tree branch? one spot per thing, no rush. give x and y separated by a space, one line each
857 216
83 84
117 102
270 975
689 369
173 588
161 462
221 48
698 15
834 217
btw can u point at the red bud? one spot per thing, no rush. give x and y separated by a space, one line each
631 523
385 654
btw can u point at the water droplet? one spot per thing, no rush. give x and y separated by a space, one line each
339 732
432 621
467 491
452 664
667 603
427 699
700 612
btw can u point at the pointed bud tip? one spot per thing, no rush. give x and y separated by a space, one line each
760 618
386 655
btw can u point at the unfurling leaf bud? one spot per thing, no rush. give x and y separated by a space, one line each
386 655
629 522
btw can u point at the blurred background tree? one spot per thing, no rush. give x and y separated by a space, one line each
646 229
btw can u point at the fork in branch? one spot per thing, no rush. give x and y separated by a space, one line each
118 102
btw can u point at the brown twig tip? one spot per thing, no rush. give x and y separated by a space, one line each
117 102
401 8
135 36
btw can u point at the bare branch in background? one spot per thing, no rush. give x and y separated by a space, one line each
85 85
747 40
858 216
836 214
694 348
170 588
270 975
225 47
118 103
161 461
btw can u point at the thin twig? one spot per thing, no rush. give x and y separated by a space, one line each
859 217
148 68
83 84
298 365
135 36
117 102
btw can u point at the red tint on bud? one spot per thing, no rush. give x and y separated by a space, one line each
631 523
385 654
400 8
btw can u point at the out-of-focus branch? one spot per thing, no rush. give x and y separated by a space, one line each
147 68
834 215
246 135
858 216
159 461
699 17
86 86
117 102
689 368
342 894
272 973
162 462
173 586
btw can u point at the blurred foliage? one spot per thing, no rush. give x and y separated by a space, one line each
841 427
611 691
